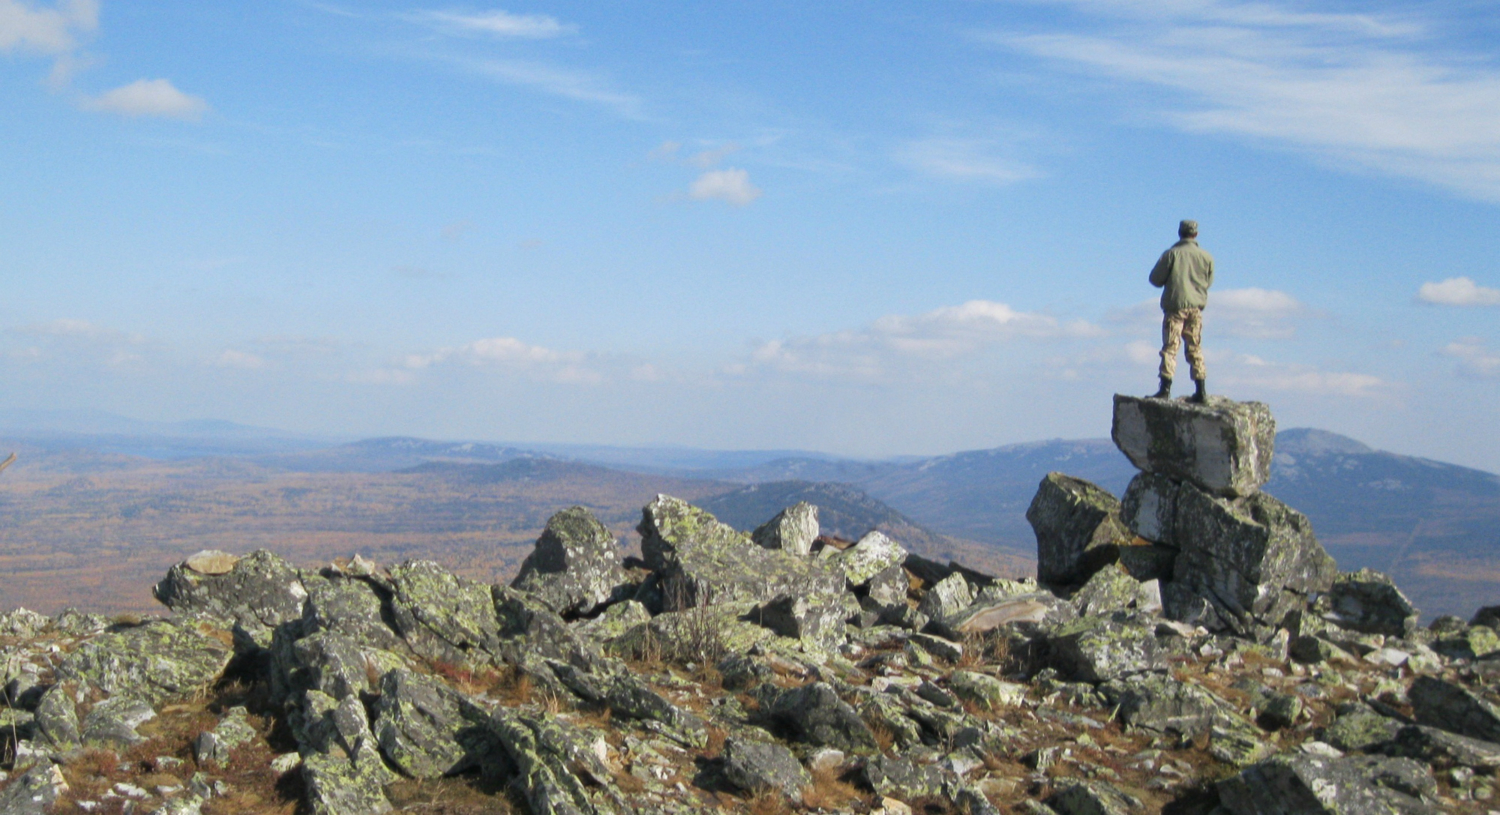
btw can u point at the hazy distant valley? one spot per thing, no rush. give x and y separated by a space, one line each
91 514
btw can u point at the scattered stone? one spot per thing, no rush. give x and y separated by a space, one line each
1070 517
1165 705
947 597
1360 729
1474 642
1093 798
1442 704
755 766
1223 447
1443 749
1300 783
1369 602
815 714
575 566
34 791
871 556
986 690
1098 649
793 530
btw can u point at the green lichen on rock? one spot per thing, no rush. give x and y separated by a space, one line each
153 661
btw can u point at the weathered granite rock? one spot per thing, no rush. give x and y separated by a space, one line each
754 766
614 621
1359 728
1043 609
1223 447
1113 589
947 597
985 690
1302 784
1166 705
1071 516
1473 642
575 566
903 778
351 608
1488 616
334 787
334 734
1093 798
1098 649
871 555
889 587
700 561
544 756
1254 559
35 791
815 621
1369 602
1440 748
22 622
231 732
56 723
792 530
112 722
1442 704
211 562
259 592
815 714
442 616
427 729
152 661
1149 507
327 661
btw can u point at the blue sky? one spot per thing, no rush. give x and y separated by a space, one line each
869 229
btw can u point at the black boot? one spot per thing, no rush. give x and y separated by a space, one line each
1200 396
1165 391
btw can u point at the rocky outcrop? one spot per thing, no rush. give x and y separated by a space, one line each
1224 447
575 566
257 592
1071 517
792 530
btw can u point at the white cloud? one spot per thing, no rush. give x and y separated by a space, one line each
148 97
1458 291
47 30
1475 359
901 339
1244 373
705 159
78 330
498 23
242 360
511 354
1358 89
965 160
729 185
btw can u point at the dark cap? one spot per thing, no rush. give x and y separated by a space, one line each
1187 229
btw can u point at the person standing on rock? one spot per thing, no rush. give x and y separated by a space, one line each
1184 274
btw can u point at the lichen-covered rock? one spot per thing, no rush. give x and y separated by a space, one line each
815 714
889 587
1223 447
1098 649
1149 507
544 755
1071 516
1038 608
56 723
755 766
231 732
614 621
152 661
985 690
442 616
818 622
1369 602
427 729
792 530
700 634
335 787
1113 589
1443 749
23 622
351 608
575 566
871 555
700 561
1093 798
339 730
903 778
1253 559
1359 728
1473 642
35 791
328 661
112 722
627 696
1301 784
947 597
1165 705
1442 704
259 592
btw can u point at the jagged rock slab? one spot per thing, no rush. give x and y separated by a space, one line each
575 565
1360 728
1070 516
427 729
1166 705
152 661
259 592
815 714
1149 507
1369 602
1098 649
442 616
1037 608
334 787
1442 704
793 530
112 722
1443 749
1243 555
701 561
1093 798
544 755
1313 785
871 555
1223 447
34 792
756 766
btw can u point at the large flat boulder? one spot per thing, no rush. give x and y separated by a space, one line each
575 566
1302 784
1070 516
1224 447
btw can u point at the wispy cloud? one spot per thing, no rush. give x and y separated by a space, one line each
241 360
729 185
965 160
148 97
899 340
511 354
1458 291
1475 358
1358 89
1247 373
580 86
52 30
496 24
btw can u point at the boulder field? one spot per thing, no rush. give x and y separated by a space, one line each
1189 648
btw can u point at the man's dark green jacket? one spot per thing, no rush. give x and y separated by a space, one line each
1184 274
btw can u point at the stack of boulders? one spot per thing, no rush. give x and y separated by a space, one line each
1227 556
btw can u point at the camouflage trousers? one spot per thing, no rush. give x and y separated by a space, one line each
1186 325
